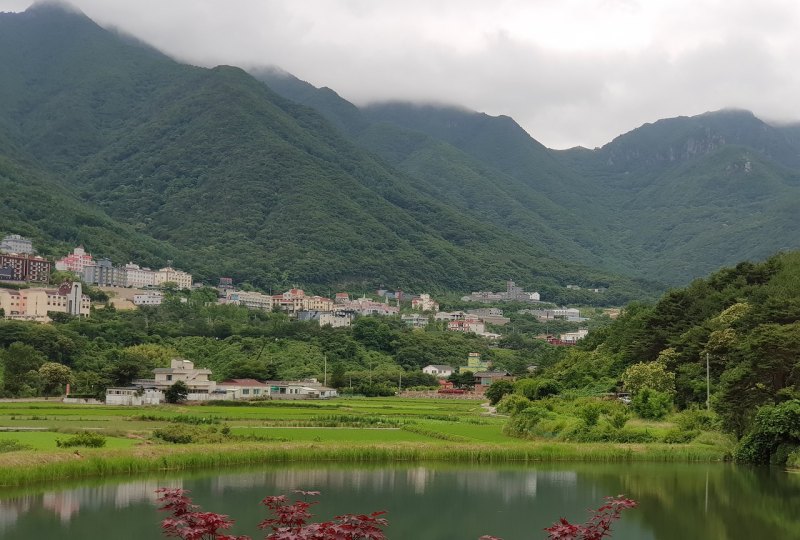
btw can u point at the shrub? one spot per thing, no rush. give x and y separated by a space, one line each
512 404
12 445
679 436
618 419
177 393
774 427
793 460
547 387
85 438
590 413
526 388
651 404
522 423
186 434
497 390
694 419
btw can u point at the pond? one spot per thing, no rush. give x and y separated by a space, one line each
436 502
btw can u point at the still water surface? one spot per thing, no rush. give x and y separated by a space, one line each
435 502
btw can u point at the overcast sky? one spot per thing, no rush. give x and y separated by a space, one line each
571 72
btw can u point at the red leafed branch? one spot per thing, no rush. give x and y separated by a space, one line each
188 522
292 521
597 527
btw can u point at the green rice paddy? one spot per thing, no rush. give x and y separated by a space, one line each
373 430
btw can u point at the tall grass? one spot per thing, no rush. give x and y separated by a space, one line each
18 468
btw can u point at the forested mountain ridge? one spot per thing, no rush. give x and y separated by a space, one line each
671 201
235 179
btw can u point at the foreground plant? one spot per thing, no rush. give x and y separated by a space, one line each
291 521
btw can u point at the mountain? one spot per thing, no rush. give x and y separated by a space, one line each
699 192
234 179
668 201
483 166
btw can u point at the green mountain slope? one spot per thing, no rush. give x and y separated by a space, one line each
699 192
496 172
239 180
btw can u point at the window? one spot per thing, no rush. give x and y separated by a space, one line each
169 377
256 391
245 391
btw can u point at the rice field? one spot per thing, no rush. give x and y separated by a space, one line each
376 429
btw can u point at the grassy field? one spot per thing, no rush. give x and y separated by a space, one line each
377 429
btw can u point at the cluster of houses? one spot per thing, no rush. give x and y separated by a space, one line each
104 273
337 312
202 388
480 369
513 293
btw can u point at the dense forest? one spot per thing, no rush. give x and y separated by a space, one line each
743 323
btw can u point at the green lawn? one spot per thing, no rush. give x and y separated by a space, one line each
46 440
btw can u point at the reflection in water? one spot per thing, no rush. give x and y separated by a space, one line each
676 501
66 504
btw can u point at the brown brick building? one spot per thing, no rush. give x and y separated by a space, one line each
26 267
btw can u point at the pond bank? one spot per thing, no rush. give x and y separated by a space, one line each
22 468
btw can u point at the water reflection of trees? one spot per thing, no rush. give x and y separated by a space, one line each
713 501
676 501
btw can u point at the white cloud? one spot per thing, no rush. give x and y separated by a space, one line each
570 72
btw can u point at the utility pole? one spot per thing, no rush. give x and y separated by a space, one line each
325 360
400 383
708 384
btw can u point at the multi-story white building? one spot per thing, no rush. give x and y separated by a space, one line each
14 243
182 280
249 299
154 298
138 277
365 306
335 319
438 370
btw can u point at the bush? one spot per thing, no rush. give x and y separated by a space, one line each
526 388
177 393
86 439
694 419
522 423
370 390
618 419
651 404
776 429
793 460
187 434
547 387
497 390
512 404
12 445
590 413
679 436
